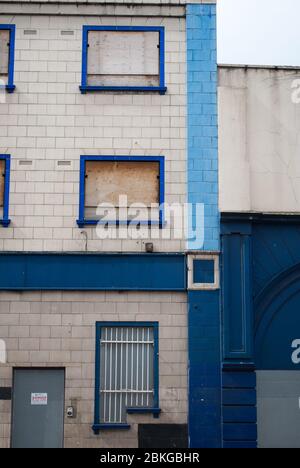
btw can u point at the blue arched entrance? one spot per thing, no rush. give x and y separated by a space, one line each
277 356
277 327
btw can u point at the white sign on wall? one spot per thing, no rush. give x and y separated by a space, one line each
39 398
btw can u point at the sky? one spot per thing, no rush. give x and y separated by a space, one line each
259 32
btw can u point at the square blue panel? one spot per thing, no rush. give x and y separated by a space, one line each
204 271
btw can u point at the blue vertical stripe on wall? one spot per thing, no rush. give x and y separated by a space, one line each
204 370
204 306
202 121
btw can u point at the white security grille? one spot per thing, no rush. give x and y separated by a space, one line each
126 371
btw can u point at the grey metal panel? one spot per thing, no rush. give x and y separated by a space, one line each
278 409
38 426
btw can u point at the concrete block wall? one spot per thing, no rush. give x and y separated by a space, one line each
46 120
57 329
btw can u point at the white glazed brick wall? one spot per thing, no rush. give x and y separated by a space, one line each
58 329
47 120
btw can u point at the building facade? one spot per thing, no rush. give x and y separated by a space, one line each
149 266
109 330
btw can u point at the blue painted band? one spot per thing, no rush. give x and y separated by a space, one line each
93 272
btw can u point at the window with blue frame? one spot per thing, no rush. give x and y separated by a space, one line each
121 190
127 374
123 58
7 56
4 189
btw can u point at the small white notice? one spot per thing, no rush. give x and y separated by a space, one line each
39 398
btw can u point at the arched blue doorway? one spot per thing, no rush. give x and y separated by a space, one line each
277 324
277 355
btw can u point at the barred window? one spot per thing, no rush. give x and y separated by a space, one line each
127 370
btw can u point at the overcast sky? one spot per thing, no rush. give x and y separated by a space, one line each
259 32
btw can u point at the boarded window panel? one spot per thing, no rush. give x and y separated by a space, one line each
2 173
107 180
123 58
4 51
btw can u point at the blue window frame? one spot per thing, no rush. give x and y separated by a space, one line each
84 221
126 372
5 166
11 28
161 88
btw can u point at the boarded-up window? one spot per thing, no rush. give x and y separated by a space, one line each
123 58
107 181
4 51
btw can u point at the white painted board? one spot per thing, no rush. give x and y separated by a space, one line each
107 180
123 58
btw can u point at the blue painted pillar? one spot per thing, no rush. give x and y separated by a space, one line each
204 306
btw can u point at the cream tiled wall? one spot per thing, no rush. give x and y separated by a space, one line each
47 120
57 329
